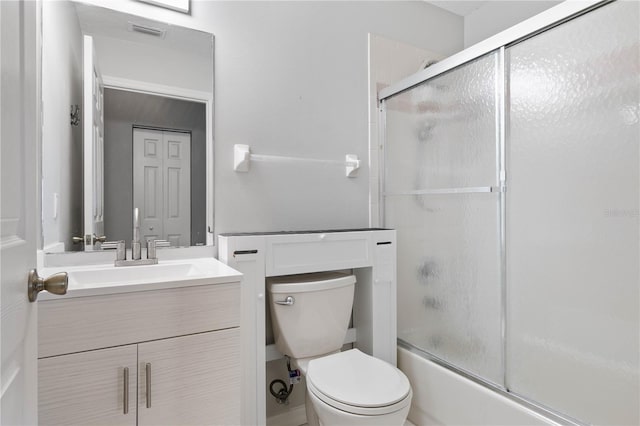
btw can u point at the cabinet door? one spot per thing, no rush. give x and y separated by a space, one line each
190 380
88 388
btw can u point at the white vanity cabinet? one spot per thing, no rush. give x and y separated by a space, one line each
194 380
88 388
179 347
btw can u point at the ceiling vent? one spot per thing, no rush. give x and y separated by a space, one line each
145 29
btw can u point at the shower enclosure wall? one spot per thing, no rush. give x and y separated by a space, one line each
512 179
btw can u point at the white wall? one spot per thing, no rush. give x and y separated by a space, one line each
291 79
495 16
61 142
154 64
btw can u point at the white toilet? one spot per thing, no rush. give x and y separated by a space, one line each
310 315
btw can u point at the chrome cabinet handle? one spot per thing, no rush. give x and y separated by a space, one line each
287 302
148 380
125 398
56 284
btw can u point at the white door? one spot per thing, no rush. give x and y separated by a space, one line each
177 195
93 145
147 182
19 132
162 184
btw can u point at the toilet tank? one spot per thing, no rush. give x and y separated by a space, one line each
310 312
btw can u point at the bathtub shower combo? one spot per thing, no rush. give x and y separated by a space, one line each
511 173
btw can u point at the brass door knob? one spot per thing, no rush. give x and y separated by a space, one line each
56 284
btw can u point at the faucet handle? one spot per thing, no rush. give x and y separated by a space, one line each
151 249
121 250
162 243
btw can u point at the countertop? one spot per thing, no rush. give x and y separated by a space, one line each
94 280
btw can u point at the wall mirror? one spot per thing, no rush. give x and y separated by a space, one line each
127 122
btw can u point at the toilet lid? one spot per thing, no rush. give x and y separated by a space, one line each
358 380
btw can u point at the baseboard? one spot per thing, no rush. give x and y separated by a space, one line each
295 416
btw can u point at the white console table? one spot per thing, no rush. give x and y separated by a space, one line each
370 253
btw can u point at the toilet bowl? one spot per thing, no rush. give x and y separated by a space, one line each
352 388
310 316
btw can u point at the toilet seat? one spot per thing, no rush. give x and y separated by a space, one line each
358 383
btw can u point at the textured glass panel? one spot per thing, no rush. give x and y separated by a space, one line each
573 218
442 133
448 278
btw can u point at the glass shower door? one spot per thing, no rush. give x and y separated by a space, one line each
441 166
536 289
573 219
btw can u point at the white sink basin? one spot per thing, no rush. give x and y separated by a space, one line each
98 277
107 279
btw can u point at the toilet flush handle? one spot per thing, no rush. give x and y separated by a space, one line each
288 301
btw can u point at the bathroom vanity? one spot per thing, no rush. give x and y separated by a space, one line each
369 253
159 347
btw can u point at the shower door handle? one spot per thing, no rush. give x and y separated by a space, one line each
287 302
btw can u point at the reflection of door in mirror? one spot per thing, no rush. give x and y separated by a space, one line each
162 121
93 146
161 184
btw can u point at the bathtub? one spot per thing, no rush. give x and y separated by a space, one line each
442 397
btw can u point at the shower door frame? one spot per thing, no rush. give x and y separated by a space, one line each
544 21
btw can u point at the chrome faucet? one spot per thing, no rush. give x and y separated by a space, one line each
136 249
